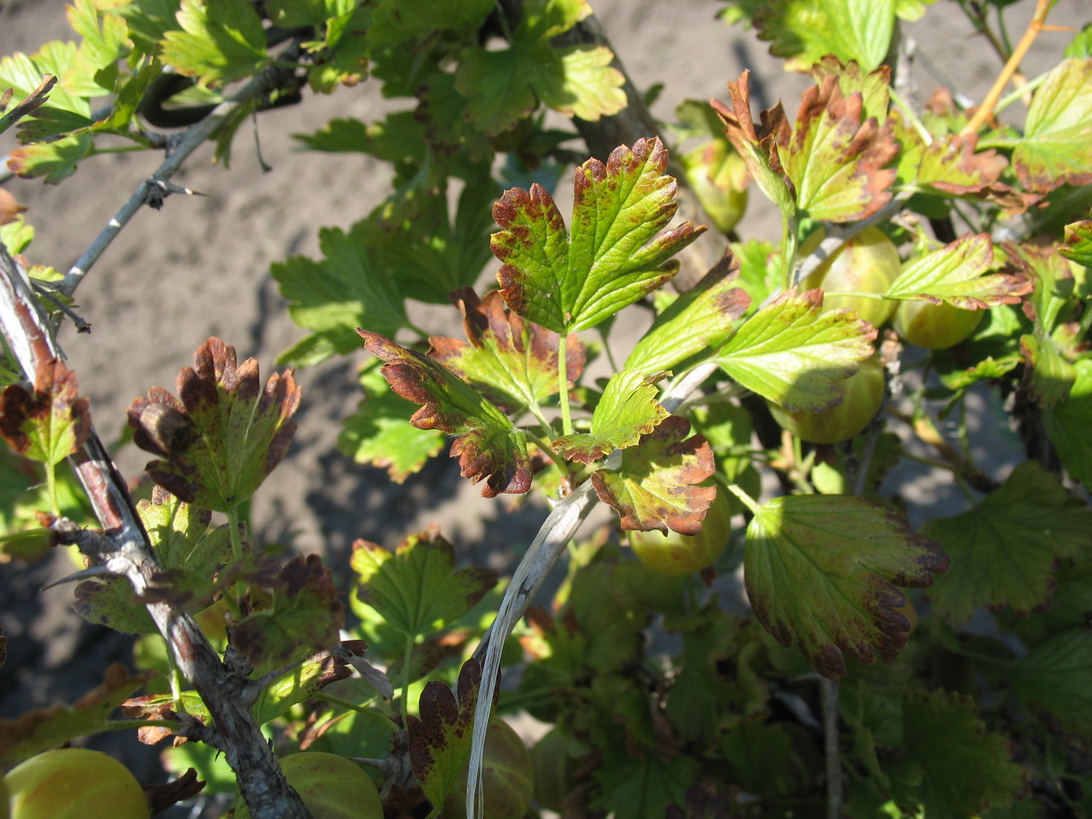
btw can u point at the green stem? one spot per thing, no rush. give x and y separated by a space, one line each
747 500
563 384
908 112
788 249
548 450
51 489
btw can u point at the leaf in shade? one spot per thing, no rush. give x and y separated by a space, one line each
112 603
219 42
942 733
380 432
697 321
417 589
439 740
957 274
181 536
874 86
1019 531
225 435
657 484
618 250
304 615
794 355
298 684
488 446
3 647
1054 677
51 422
1069 425
822 570
1057 144
513 361
45 728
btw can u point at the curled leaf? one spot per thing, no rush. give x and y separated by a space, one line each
49 423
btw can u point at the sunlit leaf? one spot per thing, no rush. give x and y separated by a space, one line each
94 70
657 485
299 684
488 446
1078 242
822 572
1057 145
957 274
220 41
112 603
417 589
804 31
617 252
794 355
627 410
50 423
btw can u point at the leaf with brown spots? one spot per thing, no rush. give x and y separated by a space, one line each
822 571
488 446
618 251
226 434
510 360
1057 144
51 422
657 484
439 740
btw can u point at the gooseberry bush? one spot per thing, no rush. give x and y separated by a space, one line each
928 256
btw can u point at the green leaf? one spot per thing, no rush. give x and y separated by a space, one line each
804 31
439 740
945 736
761 270
1018 531
94 71
1054 676
498 86
794 355
417 589
585 86
53 161
1057 145
148 22
513 362
344 290
874 86
657 485
488 445
380 433
618 250
627 410
1069 425
642 787
956 274
45 728
1078 242
62 112
50 423
822 571
1081 47
1049 375
698 321
220 42
397 21
304 614
298 685
226 434
113 603
181 536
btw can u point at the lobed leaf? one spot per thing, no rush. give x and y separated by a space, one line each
822 571
513 361
794 355
400 21
618 250
627 410
804 31
657 485
1078 242
225 435
489 447
1056 148
956 274
113 603
417 589
1053 677
50 423
299 684
219 42
1069 425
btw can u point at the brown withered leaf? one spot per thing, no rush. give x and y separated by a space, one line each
46 728
161 797
512 361
226 434
9 208
657 484
50 423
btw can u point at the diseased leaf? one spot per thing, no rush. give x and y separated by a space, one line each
225 435
1053 677
942 733
113 603
220 41
45 728
180 534
380 433
439 740
53 161
956 274
822 572
657 485
1004 550
950 164
299 684
1057 145
512 361
94 70
1078 242
793 355
698 321
344 290
804 31
417 589
50 423
617 252
488 446
874 86
304 614
62 112
1069 425
627 410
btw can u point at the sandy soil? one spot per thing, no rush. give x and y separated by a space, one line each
199 267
